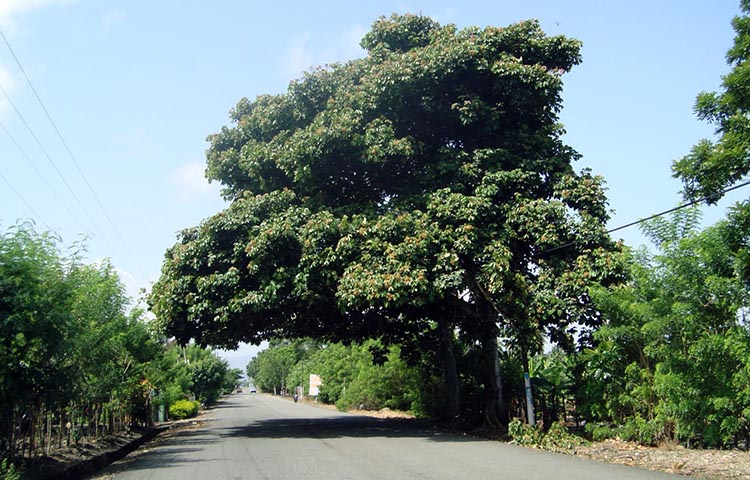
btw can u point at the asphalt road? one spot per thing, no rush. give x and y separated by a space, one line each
263 437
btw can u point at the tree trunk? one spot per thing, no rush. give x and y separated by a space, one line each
495 410
61 414
32 431
450 374
48 442
97 412
68 424
530 416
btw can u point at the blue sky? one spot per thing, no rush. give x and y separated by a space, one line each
135 87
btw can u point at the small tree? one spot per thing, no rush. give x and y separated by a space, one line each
670 361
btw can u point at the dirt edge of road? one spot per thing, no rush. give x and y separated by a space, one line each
87 458
703 464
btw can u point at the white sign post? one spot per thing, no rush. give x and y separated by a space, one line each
315 383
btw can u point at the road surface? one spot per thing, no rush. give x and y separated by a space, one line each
263 437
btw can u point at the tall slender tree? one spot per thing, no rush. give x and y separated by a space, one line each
715 165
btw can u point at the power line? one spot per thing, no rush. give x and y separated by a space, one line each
54 192
656 215
41 219
679 207
72 157
57 170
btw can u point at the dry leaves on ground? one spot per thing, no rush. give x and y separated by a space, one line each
704 464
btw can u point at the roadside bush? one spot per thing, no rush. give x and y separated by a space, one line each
600 431
524 434
557 438
184 409
645 432
8 471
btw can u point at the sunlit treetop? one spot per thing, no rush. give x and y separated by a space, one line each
430 107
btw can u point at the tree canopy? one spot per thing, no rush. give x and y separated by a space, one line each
414 195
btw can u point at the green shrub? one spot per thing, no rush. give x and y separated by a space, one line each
524 434
600 431
8 471
557 439
184 409
645 432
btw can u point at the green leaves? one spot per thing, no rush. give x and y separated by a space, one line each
713 166
393 264
672 340
376 196
271 368
400 33
69 346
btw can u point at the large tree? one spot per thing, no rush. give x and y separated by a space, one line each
416 195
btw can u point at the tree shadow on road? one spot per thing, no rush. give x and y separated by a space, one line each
340 427
168 450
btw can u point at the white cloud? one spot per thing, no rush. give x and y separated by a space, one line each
128 280
299 55
241 357
191 183
10 85
243 350
132 286
112 18
9 9
445 16
349 41
304 50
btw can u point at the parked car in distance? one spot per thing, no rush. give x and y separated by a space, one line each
253 390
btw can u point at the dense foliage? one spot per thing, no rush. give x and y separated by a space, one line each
672 361
414 196
75 363
357 376
419 206
420 202
270 369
